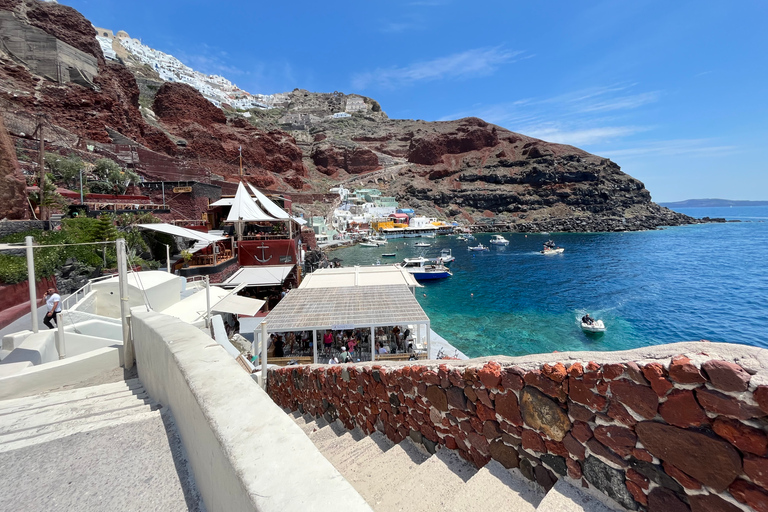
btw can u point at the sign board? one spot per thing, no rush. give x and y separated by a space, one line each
181 190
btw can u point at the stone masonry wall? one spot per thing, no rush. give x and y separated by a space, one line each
674 428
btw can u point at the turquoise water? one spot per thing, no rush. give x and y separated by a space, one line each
676 284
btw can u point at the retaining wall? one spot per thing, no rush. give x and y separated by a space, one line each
678 427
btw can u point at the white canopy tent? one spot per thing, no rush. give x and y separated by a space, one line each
268 205
245 209
182 232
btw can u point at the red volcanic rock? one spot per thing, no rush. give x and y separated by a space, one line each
179 103
490 375
619 413
576 370
743 437
711 461
330 159
619 439
456 398
640 399
641 454
506 455
711 503
574 447
437 398
756 468
719 403
683 371
574 469
431 149
581 431
580 393
485 413
761 397
726 376
612 371
511 379
682 410
685 480
655 374
491 430
579 412
661 499
13 188
483 397
603 451
749 494
637 493
532 441
557 372
538 380
638 479
508 408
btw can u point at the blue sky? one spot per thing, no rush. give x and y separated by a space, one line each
676 93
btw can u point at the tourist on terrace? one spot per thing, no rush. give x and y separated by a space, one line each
53 303
345 356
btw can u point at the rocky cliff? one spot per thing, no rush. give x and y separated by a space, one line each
466 170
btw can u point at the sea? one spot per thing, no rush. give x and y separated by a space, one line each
683 283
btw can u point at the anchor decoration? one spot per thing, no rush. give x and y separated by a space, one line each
263 258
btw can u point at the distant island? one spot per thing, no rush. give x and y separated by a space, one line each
711 203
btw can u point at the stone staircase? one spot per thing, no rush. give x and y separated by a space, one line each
405 477
92 448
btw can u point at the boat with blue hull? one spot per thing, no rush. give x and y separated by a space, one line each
424 269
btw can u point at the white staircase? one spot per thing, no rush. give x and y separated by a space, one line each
404 477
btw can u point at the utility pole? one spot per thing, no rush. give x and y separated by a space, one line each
125 308
41 163
240 149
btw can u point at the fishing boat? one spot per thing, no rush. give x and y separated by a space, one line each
368 244
499 240
421 244
551 248
445 256
424 269
478 247
388 255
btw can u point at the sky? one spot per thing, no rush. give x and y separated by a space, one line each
676 93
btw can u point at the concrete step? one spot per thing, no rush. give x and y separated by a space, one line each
388 471
496 488
328 435
564 497
431 487
53 398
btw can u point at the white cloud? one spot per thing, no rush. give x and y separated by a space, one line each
581 137
674 147
471 63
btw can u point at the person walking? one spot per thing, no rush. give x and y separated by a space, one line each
53 303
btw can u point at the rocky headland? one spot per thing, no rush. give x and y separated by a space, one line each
466 170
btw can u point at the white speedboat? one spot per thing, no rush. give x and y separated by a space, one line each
421 244
556 250
378 240
595 326
478 247
368 244
423 269
499 240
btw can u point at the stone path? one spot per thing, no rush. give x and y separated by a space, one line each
107 447
404 477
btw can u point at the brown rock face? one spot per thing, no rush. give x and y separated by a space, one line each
711 461
180 103
13 192
726 376
640 399
543 414
711 503
472 135
743 437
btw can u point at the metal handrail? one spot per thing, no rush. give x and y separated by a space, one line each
85 290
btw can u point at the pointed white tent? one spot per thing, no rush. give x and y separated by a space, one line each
268 205
245 209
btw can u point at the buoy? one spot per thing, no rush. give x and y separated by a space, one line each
472 295
425 294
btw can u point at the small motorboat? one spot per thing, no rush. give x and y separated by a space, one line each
424 269
499 240
595 326
446 256
421 244
479 247
368 244
461 237
551 248
388 255
378 240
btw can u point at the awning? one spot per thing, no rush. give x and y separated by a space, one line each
267 275
300 221
268 205
375 275
238 305
182 232
192 308
245 209
224 201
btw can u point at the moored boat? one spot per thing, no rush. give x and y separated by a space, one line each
424 269
368 244
445 256
478 247
388 255
499 240
421 244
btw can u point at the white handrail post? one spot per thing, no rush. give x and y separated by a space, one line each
207 302
31 281
122 277
60 336
168 257
429 343
314 345
264 344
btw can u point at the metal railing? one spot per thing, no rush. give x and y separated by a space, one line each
82 291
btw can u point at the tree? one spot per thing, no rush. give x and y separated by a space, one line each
104 231
65 170
110 178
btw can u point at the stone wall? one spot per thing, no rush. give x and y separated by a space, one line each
9 227
679 427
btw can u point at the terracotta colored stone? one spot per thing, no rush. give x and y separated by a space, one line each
592 366
756 468
456 378
430 378
602 388
604 452
476 424
726 376
682 410
576 370
479 459
641 454
547 386
544 477
491 430
634 373
711 461
556 448
637 493
581 431
574 447
437 397
711 503
506 455
640 399
582 394
619 439
685 480
450 443
484 413
719 403
510 379
557 372
490 375
761 397
456 398
508 408
574 468
664 500
483 397
469 392
579 412
639 480
656 376
612 371
743 437
619 413
750 494
683 371
543 414
479 442
532 441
